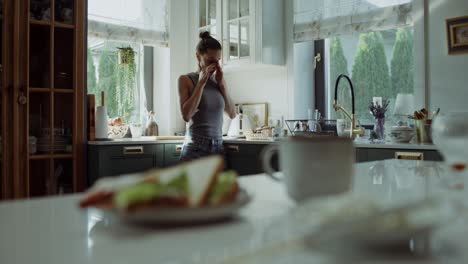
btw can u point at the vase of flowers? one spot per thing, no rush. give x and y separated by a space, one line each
378 111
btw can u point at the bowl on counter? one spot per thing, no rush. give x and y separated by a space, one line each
117 131
401 134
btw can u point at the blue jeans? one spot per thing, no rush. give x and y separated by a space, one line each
196 146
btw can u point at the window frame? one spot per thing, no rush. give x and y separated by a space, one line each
146 80
421 68
323 95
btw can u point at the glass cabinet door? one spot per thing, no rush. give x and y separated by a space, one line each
237 14
208 16
64 11
40 10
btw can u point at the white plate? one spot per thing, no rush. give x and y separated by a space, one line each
181 215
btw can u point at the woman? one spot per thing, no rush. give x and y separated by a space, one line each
203 99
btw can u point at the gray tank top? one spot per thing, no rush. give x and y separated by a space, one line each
208 120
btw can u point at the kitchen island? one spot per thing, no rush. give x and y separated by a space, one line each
55 231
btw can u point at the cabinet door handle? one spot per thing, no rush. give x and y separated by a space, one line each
133 150
178 148
409 155
232 148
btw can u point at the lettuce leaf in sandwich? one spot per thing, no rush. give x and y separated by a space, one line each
151 191
224 189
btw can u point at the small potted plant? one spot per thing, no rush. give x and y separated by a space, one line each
126 55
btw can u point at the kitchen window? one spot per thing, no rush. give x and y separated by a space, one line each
381 64
372 41
138 26
118 80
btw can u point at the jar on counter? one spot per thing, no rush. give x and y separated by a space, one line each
151 126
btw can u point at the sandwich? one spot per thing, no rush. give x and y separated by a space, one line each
194 184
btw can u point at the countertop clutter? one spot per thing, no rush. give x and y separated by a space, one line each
55 230
227 140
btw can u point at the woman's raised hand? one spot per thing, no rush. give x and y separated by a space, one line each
206 72
219 74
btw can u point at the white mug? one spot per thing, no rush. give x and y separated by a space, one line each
312 167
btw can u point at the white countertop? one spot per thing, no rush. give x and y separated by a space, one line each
390 145
55 231
135 141
152 140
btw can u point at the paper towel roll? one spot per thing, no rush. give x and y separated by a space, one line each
101 122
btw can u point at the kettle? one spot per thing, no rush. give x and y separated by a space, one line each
240 126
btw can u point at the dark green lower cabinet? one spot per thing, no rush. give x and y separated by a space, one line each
246 159
172 154
105 160
375 154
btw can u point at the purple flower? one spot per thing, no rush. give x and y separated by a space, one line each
378 111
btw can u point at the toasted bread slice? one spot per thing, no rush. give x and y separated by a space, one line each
202 175
132 192
192 181
100 194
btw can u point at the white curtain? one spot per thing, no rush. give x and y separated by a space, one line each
319 19
129 20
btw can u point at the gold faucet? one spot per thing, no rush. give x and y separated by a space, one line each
354 131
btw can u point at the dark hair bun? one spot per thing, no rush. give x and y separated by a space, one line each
207 42
205 34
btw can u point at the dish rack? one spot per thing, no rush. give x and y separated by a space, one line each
264 135
311 127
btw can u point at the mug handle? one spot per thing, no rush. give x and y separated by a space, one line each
267 154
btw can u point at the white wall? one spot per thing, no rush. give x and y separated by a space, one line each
179 35
272 84
162 88
448 74
259 84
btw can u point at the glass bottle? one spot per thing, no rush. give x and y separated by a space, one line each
151 126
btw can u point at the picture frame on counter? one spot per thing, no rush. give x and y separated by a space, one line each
257 113
457 35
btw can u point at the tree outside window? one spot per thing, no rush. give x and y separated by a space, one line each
370 72
380 66
402 65
338 66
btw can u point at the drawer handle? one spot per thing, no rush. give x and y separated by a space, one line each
178 148
409 155
133 150
232 148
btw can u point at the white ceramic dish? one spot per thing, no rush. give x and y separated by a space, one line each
181 215
401 134
117 131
